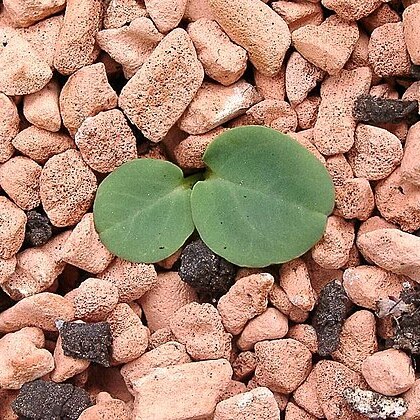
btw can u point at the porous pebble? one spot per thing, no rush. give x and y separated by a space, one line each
20 179
257 403
247 298
22 70
85 94
130 338
41 108
121 12
332 251
84 249
161 90
168 294
388 52
354 9
12 228
67 188
106 141
329 45
282 365
258 29
106 407
214 105
410 169
190 390
9 126
39 144
200 329
222 60
130 45
76 45
389 372
335 127
132 280
411 24
31 362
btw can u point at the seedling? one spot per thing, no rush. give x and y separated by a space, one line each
264 199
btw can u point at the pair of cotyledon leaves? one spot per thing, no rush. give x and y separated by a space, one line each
264 199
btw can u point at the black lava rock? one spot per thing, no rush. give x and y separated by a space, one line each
42 400
371 109
87 341
207 272
38 228
415 72
407 322
329 317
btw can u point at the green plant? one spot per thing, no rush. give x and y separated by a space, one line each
263 199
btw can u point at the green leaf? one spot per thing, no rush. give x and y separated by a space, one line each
265 199
142 210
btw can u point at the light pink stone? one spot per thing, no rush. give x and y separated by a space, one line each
30 362
335 126
375 154
66 366
298 14
366 285
9 126
388 52
222 60
244 365
37 269
19 178
398 201
167 354
301 78
389 372
339 169
357 340
257 28
133 280
168 295
411 22
41 108
67 188
282 365
41 310
106 141
12 228
76 46
393 250
278 298
108 408
353 9
295 281
271 87
40 145
306 395
85 94
332 251
94 300
354 199
22 71
130 45
307 112
329 45
121 12
247 298
214 105
200 329
306 334
25 13
130 337
166 14
198 9
270 325
84 249
382 15
257 403
410 165
190 390
161 90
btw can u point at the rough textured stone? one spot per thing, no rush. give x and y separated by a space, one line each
155 111
258 29
166 14
9 126
12 228
67 188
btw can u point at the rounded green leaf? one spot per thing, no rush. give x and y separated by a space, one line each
142 210
265 200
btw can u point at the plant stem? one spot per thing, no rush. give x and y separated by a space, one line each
189 181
